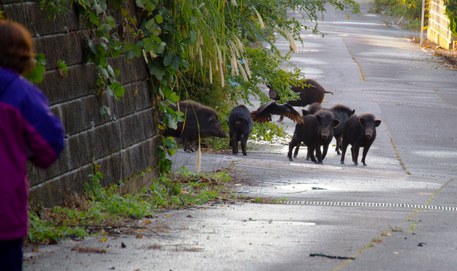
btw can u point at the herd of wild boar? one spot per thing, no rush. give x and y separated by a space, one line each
315 127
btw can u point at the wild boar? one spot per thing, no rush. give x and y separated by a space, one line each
341 113
316 131
314 107
309 92
240 126
200 121
359 131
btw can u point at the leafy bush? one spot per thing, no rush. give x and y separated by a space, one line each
407 11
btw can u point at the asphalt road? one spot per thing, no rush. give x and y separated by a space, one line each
397 213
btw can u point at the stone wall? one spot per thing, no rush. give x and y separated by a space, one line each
123 144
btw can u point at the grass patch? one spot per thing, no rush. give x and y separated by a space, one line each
103 208
267 131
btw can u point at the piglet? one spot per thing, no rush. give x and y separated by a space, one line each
240 124
359 131
315 131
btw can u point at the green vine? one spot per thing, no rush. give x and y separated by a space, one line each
104 44
451 11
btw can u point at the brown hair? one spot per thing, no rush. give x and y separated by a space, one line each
16 47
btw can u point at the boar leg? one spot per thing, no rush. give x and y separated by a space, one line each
186 145
244 140
319 155
355 154
344 146
311 150
234 144
296 151
294 142
364 154
338 145
308 155
324 152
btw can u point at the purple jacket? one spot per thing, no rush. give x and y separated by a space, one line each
28 130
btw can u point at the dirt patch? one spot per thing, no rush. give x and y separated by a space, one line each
449 57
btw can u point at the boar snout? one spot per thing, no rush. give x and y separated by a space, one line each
369 133
325 134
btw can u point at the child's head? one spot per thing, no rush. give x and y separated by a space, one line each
16 47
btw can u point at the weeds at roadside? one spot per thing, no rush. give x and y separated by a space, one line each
103 209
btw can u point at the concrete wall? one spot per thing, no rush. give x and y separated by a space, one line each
123 144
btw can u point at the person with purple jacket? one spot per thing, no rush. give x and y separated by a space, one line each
28 131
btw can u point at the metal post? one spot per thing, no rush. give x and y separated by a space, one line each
422 22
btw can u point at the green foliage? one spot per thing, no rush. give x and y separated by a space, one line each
37 74
451 11
267 131
105 207
55 7
62 68
44 230
410 10
266 69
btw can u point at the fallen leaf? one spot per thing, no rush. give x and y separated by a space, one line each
89 250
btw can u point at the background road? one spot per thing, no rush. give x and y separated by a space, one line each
398 213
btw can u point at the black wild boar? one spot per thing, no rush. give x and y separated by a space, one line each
309 90
240 125
314 107
316 131
359 131
341 113
200 121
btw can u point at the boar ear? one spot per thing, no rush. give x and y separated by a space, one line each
377 123
362 121
353 112
318 117
336 123
304 112
212 118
